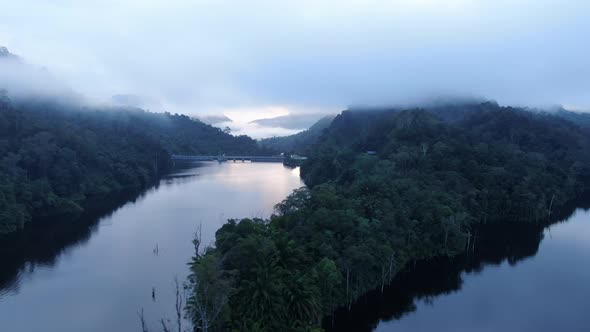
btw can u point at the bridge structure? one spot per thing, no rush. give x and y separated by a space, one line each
222 158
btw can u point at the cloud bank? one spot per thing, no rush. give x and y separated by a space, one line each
210 56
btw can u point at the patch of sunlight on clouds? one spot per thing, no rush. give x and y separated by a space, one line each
247 114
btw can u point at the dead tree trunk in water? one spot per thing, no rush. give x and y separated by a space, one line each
208 295
387 271
142 320
197 241
551 206
178 305
383 277
165 327
424 147
347 278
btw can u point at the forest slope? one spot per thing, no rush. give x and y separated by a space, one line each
437 174
298 143
54 157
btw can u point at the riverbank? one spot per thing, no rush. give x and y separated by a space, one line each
111 260
502 271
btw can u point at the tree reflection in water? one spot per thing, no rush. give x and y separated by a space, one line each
426 280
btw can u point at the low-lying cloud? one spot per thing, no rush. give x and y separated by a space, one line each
210 56
22 80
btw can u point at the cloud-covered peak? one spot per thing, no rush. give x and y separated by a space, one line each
6 55
211 56
22 80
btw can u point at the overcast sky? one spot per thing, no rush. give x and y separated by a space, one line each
311 55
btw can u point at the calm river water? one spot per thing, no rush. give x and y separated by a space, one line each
94 275
97 274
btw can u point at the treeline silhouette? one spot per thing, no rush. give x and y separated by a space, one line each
497 242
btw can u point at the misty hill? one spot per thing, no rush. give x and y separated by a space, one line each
25 81
55 158
581 119
434 176
298 143
5 54
291 121
554 140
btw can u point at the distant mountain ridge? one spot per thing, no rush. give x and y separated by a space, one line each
582 119
451 112
214 119
291 121
298 143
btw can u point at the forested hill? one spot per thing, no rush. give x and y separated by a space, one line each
301 142
581 119
434 176
54 157
468 132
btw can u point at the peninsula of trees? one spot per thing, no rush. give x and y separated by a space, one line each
386 188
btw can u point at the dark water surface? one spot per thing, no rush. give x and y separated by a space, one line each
526 278
94 275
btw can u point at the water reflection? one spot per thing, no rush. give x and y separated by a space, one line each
42 245
520 278
93 273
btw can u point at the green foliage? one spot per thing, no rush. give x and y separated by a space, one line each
209 290
436 174
54 159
